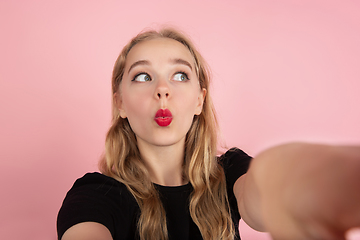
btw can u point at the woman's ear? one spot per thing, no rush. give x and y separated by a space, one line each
119 104
200 103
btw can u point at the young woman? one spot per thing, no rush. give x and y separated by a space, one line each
161 178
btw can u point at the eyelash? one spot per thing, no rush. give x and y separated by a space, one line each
185 74
140 73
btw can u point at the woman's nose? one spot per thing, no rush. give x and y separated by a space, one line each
162 95
162 90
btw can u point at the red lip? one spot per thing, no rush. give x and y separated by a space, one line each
163 117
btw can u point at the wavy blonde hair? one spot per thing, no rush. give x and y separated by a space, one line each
209 207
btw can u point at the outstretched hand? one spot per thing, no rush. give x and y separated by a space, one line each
309 191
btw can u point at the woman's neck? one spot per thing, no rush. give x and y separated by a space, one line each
164 163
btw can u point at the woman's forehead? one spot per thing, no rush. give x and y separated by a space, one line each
159 49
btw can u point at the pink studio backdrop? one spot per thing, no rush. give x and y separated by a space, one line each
282 71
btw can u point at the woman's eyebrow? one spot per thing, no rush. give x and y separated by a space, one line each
137 63
181 61
173 61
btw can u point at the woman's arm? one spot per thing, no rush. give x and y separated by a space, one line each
87 231
302 191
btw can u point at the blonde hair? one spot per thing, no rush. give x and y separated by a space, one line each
209 207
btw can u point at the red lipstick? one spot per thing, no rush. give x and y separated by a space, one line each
163 117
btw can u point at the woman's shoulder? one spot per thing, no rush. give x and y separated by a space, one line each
100 185
96 197
95 178
232 156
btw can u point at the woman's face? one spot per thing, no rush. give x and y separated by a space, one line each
160 92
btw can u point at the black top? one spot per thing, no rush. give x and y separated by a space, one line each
99 198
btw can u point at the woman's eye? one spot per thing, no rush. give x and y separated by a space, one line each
142 77
181 77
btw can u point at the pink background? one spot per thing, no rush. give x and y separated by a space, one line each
283 70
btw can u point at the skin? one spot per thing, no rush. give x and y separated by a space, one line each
87 231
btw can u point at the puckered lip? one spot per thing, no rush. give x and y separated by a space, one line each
163 113
163 117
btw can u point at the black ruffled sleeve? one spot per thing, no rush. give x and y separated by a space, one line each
235 163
